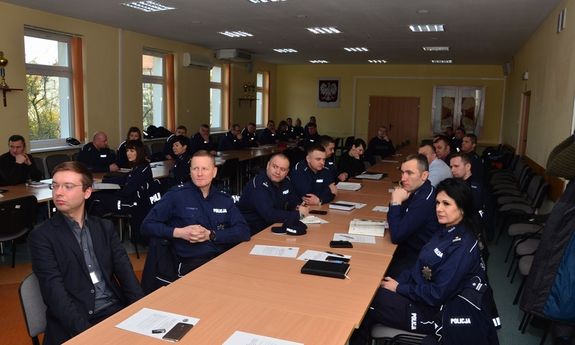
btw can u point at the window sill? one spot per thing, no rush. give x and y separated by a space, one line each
55 148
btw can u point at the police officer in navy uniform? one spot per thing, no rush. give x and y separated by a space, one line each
201 141
233 139
411 216
96 156
202 221
268 135
167 151
180 172
249 135
329 144
448 266
311 136
270 197
468 146
461 168
313 182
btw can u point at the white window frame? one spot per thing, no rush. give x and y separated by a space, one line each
67 102
262 98
215 85
458 92
160 119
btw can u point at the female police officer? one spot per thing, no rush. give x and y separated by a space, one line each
446 289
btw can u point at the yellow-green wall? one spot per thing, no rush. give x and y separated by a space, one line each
112 75
550 60
297 87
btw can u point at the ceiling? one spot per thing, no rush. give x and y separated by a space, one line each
477 31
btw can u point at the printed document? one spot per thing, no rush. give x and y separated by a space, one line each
147 320
279 251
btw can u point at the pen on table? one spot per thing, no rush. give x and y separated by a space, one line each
332 253
345 236
157 331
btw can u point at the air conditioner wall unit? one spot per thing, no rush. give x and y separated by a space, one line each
190 60
234 55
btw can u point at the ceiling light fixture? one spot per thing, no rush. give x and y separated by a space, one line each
148 6
318 61
324 30
442 61
356 49
285 50
264 1
436 49
235 33
427 28
377 61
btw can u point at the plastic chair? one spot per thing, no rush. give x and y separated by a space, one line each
33 307
385 335
55 159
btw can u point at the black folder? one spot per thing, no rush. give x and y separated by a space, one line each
326 269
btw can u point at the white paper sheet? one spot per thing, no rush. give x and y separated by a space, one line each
384 209
353 238
320 256
146 320
357 205
313 220
352 186
279 251
244 338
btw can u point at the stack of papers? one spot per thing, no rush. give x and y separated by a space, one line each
384 209
353 238
342 206
321 256
367 227
353 186
34 184
242 338
313 220
370 176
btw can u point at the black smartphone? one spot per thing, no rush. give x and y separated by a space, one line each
317 212
178 331
340 244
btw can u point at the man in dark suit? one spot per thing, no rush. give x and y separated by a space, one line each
16 166
83 269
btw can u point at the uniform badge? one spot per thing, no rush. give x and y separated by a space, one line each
426 273
456 239
221 226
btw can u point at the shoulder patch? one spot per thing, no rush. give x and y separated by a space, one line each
456 239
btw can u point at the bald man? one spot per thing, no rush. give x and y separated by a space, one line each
97 156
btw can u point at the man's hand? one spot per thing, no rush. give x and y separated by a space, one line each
192 233
23 159
389 283
303 210
399 195
114 167
333 188
343 176
311 199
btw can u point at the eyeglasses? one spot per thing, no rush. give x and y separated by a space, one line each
66 186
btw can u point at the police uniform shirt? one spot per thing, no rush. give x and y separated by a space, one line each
198 143
477 169
380 147
305 181
249 139
180 173
263 202
445 265
96 160
310 140
267 137
297 131
412 223
229 142
476 193
186 205
330 165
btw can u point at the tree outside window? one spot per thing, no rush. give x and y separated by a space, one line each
153 81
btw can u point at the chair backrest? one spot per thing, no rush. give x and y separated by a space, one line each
41 165
348 142
33 306
157 147
17 217
534 185
55 159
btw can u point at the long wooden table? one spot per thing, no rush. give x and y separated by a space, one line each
268 295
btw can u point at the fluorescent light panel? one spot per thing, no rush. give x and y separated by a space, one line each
264 1
377 61
356 49
318 61
285 50
426 28
324 30
148 6
235 34
436 49
442 61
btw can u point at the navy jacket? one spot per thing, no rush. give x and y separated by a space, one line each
185 205
309 140
96 160
64 279
446 264
477 193
12 173
330 165
180 172
267 137
305 181
249 139
229 142
264 203
198 143
412 223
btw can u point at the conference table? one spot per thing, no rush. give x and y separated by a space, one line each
268 295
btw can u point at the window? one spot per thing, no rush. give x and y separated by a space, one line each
458 106
262 98
153 89
216 97
49 87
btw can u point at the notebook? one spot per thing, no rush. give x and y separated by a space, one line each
341 206
326 269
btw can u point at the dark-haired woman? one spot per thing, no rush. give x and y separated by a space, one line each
350 163
134 133
445 294
131 183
